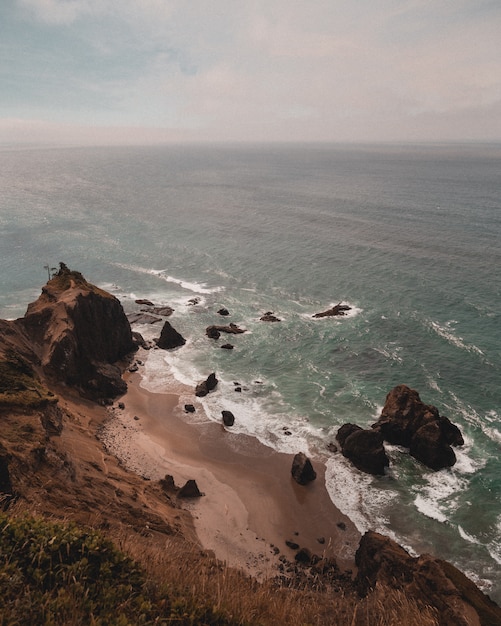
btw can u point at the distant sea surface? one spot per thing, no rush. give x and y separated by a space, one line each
409 237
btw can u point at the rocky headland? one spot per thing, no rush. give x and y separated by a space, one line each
64 455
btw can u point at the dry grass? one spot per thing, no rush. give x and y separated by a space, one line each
189 573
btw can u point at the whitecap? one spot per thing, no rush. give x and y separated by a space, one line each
356 495
429 508
185 284
447 333
466 536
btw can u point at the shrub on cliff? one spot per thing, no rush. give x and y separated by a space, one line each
61 574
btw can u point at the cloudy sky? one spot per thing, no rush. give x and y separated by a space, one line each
106 71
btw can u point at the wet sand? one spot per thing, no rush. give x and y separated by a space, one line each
251 505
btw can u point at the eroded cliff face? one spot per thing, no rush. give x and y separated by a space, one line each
79 334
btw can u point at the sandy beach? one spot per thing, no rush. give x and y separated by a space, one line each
251 505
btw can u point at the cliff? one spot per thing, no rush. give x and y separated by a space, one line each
57 365
78 334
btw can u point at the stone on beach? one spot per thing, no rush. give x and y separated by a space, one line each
228 418
302 470
364 448
190 490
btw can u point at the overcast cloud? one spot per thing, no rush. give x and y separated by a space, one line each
106 71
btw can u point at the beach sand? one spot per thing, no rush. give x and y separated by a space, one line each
251 505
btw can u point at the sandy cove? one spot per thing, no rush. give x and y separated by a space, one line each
251 504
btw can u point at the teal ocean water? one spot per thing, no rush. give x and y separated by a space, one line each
409 237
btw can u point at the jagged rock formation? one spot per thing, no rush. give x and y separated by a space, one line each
170 338
269 316
203 388
338 309
302 470
79 333
405 420
214 331
431 581
364 448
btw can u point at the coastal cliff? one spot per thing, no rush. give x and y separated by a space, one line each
58 365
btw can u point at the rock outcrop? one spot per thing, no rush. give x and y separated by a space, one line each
170 338
269 316
203 388
79 333
302 470
364 448
214 331
430 581
338 309
405 420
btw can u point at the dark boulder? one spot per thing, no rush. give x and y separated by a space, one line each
364 448
189 408
227 346
302 470
223 312
429 581
337 310
203 388
430 446
228 418
189 490
144 302
214 331
407 421
269 317
170 338
304 556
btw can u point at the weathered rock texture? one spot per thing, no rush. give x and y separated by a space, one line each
203 388
302 470
79 333
405 420
364 448
170 338
430 581
338 309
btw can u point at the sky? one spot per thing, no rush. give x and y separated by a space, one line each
153 71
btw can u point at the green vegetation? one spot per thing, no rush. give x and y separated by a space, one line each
19 385
60 574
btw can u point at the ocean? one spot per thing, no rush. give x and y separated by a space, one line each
408 236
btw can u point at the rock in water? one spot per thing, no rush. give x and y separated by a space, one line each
228 418
364 448
203 388
170 338
405 420
302 470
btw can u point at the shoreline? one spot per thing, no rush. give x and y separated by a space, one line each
251 505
